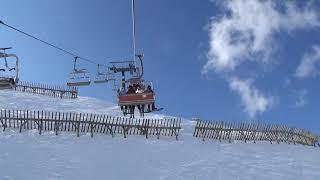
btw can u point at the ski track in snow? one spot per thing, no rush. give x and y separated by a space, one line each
32 156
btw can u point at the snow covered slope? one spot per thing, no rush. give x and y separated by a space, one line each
31 156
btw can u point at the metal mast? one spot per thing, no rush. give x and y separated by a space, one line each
133 32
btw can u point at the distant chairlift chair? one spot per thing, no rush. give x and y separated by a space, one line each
101 76
9 76
79 77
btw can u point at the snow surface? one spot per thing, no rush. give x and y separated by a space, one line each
32 156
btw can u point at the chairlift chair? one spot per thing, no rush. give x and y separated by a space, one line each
9 76
79 77
143 100
101 77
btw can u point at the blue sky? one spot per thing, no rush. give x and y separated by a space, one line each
223 60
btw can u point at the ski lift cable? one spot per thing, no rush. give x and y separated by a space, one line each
47 43
135 55
133 31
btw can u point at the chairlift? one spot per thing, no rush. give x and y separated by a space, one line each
101 76
79 77
142 95
9 76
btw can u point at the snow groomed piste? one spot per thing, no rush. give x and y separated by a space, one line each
28 155
112 125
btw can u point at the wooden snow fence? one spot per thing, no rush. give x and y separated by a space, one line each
81 123
239 131
48 90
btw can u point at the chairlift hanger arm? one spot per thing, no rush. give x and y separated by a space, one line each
5 55
133 31
141 63
74 63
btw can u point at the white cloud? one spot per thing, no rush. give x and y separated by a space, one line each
252 99
246 29
310 61
301 101
245 33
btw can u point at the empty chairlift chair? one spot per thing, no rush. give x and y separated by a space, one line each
101 76
79 77
9 75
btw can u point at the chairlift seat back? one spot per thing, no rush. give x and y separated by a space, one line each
7 83
136 99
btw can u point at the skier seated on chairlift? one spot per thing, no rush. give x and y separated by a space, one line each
12 81
149 89
128 108
131 90
121 91
135 89
139 89
151 107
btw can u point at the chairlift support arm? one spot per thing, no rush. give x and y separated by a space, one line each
133 31
5 57
75 62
